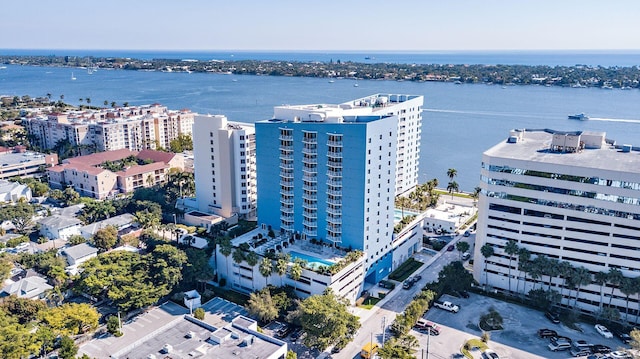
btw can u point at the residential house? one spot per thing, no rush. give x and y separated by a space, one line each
55 227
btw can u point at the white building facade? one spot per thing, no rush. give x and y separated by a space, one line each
568 196
224 156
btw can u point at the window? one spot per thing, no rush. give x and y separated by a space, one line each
242 145
241 137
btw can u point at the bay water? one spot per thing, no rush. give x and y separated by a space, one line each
459 121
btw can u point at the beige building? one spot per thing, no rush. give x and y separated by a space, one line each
93 175
134 128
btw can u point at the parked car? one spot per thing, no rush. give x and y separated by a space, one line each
417 277
603 331
619 354
547 333
466 255
578 351
600 349
582 343
464 294
407 284
552 316
424 325
450 248
490 354
561 339
297 334
558 346
467 233
622 334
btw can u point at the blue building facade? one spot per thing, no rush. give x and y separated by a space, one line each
330 180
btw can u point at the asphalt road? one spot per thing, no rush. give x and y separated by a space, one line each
398 300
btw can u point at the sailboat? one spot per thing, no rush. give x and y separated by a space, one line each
72 77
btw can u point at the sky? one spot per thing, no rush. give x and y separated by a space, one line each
343 25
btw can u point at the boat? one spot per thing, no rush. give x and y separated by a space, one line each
331 81
72 77
579 116
356 85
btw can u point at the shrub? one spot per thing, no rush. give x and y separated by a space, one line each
199 313
223 281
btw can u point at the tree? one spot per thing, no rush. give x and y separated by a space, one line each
600 278
511 249
147 219
20 215
454 277
225 249
75 239
282 264
266 268
252 259
199 313
261 305
94 211
113 325
70 196
487 251
71 318
452 187
291 355
565 269
399 348
635 339
68 348
24 310
581 277
403 202
181 143
475 195
628 286
105 238
325 319
614 277
462 247
296 272
451 173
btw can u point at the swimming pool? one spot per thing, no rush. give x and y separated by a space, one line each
312 262
397 214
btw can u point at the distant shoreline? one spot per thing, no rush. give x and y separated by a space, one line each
578 76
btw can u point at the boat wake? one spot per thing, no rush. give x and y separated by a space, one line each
481 113
613 120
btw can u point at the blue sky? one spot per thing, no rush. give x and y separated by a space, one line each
410 25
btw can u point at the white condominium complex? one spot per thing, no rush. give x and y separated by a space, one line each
134 128
224 158
408 110
568 196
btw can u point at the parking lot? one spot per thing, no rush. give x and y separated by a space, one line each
276 329
518 339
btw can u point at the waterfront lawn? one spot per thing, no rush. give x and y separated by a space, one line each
455 194
405 270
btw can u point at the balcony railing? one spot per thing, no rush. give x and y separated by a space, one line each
310 224
335 202
286 200
334 143
285 138
334 182
334 211
334 238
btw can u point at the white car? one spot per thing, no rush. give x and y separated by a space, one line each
603 331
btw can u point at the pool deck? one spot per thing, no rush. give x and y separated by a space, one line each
282 244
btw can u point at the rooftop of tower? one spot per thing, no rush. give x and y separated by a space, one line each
364 109
578 149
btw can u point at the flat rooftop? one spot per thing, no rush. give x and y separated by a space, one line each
12 159
535 146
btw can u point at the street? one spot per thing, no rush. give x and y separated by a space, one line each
397 300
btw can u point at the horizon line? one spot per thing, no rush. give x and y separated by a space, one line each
357 51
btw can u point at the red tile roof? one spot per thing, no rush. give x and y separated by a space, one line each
140 169
100 157
155 156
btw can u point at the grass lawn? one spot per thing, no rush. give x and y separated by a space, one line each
230 295
370 302
405 270
455 194
473 343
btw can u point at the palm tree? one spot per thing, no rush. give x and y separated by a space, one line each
252 260
106 103
452 187
238 257
266 267
403 202
225 249
565 269
487 251
462 247
88 100
150 180
614 277
523 259
511 248
282 264
296 272
600 278
581 277
452 172
552 269
475 195
628 286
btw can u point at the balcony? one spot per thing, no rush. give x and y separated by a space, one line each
285 192
311 216
310 169
334 220
308 205
309 178
286 200
287 226
286 218
310 232
334 143
310 187
310 141
311 224
286 157
310 197
333 154
334 174
334 164
288 166
286 183
335 202
284 174
285 138
335 193
334 183
334 238
309 151
310 160
334 211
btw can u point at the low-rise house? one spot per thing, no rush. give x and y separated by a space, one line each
77 255
122 223
14 191
55 227
30 288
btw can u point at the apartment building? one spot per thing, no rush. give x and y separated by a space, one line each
134 128
328 173
570 196
225 158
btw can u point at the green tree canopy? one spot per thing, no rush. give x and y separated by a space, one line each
105 238
71 318
325 319
20 215
262 306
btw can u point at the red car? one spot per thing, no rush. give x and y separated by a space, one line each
450 248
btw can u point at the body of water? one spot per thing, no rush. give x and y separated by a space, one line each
552 58
459 121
